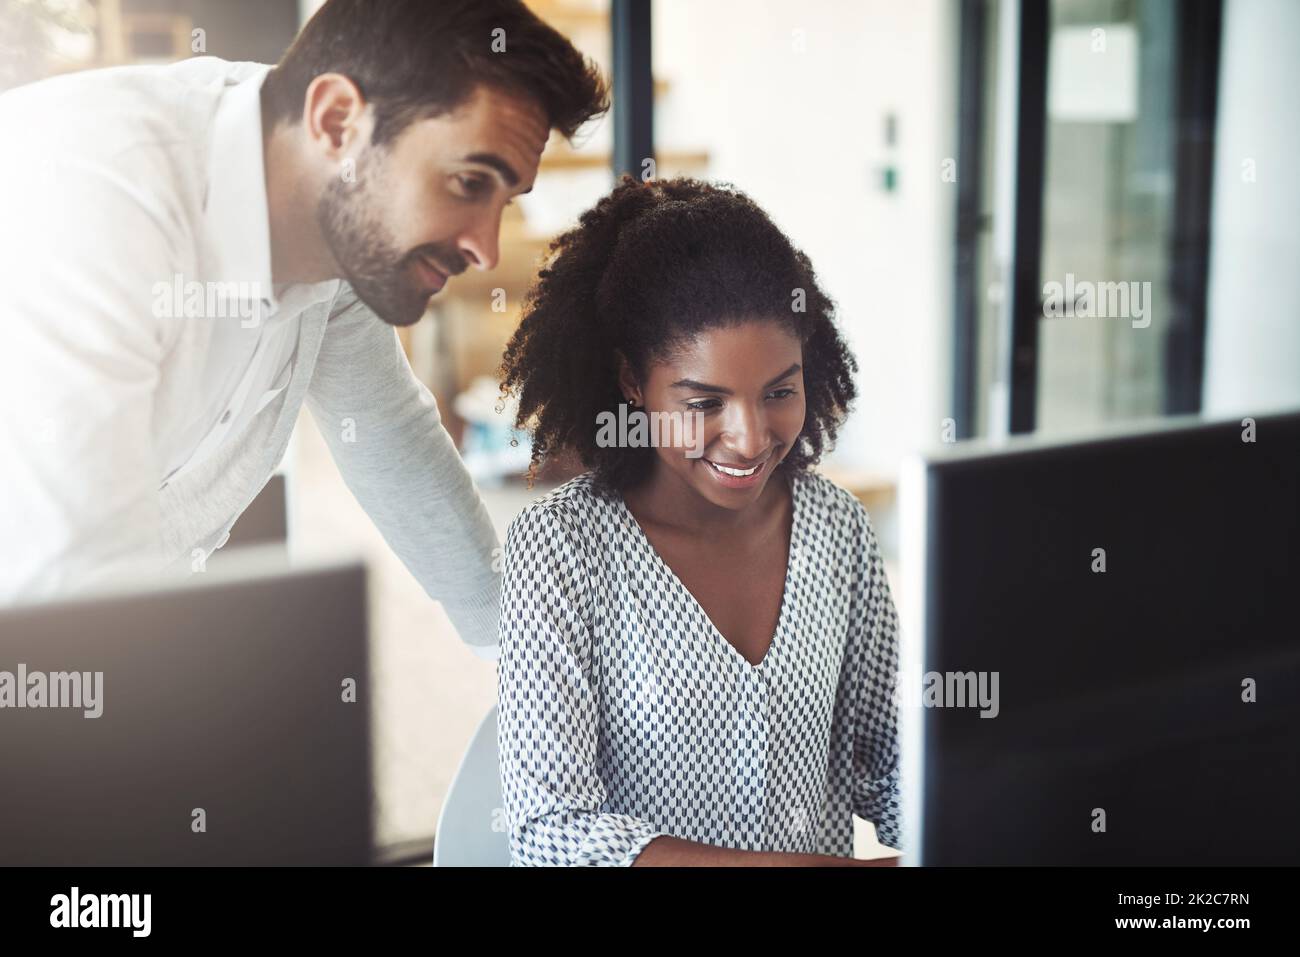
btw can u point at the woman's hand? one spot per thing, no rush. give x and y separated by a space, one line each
675 852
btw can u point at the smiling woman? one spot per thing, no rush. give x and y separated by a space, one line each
698 641
648 267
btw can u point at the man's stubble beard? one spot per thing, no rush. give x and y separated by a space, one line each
369 260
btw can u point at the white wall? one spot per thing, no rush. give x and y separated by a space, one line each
1253 324
802 133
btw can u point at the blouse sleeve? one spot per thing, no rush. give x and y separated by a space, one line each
874 643
547 705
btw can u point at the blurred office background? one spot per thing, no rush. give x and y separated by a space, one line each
940 161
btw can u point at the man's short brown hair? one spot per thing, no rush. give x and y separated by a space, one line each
414 59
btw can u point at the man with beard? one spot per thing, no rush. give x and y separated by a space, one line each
189 253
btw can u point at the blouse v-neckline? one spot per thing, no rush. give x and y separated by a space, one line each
787 592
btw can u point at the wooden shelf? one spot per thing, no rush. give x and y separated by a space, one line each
566 158
124 34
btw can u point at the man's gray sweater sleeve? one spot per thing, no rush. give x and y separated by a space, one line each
385 433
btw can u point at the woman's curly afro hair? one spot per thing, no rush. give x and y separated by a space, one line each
651 266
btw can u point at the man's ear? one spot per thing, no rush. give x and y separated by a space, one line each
627 383
335 116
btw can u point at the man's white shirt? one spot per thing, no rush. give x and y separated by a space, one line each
151 371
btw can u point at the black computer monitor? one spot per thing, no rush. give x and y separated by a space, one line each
229 725
1137 597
